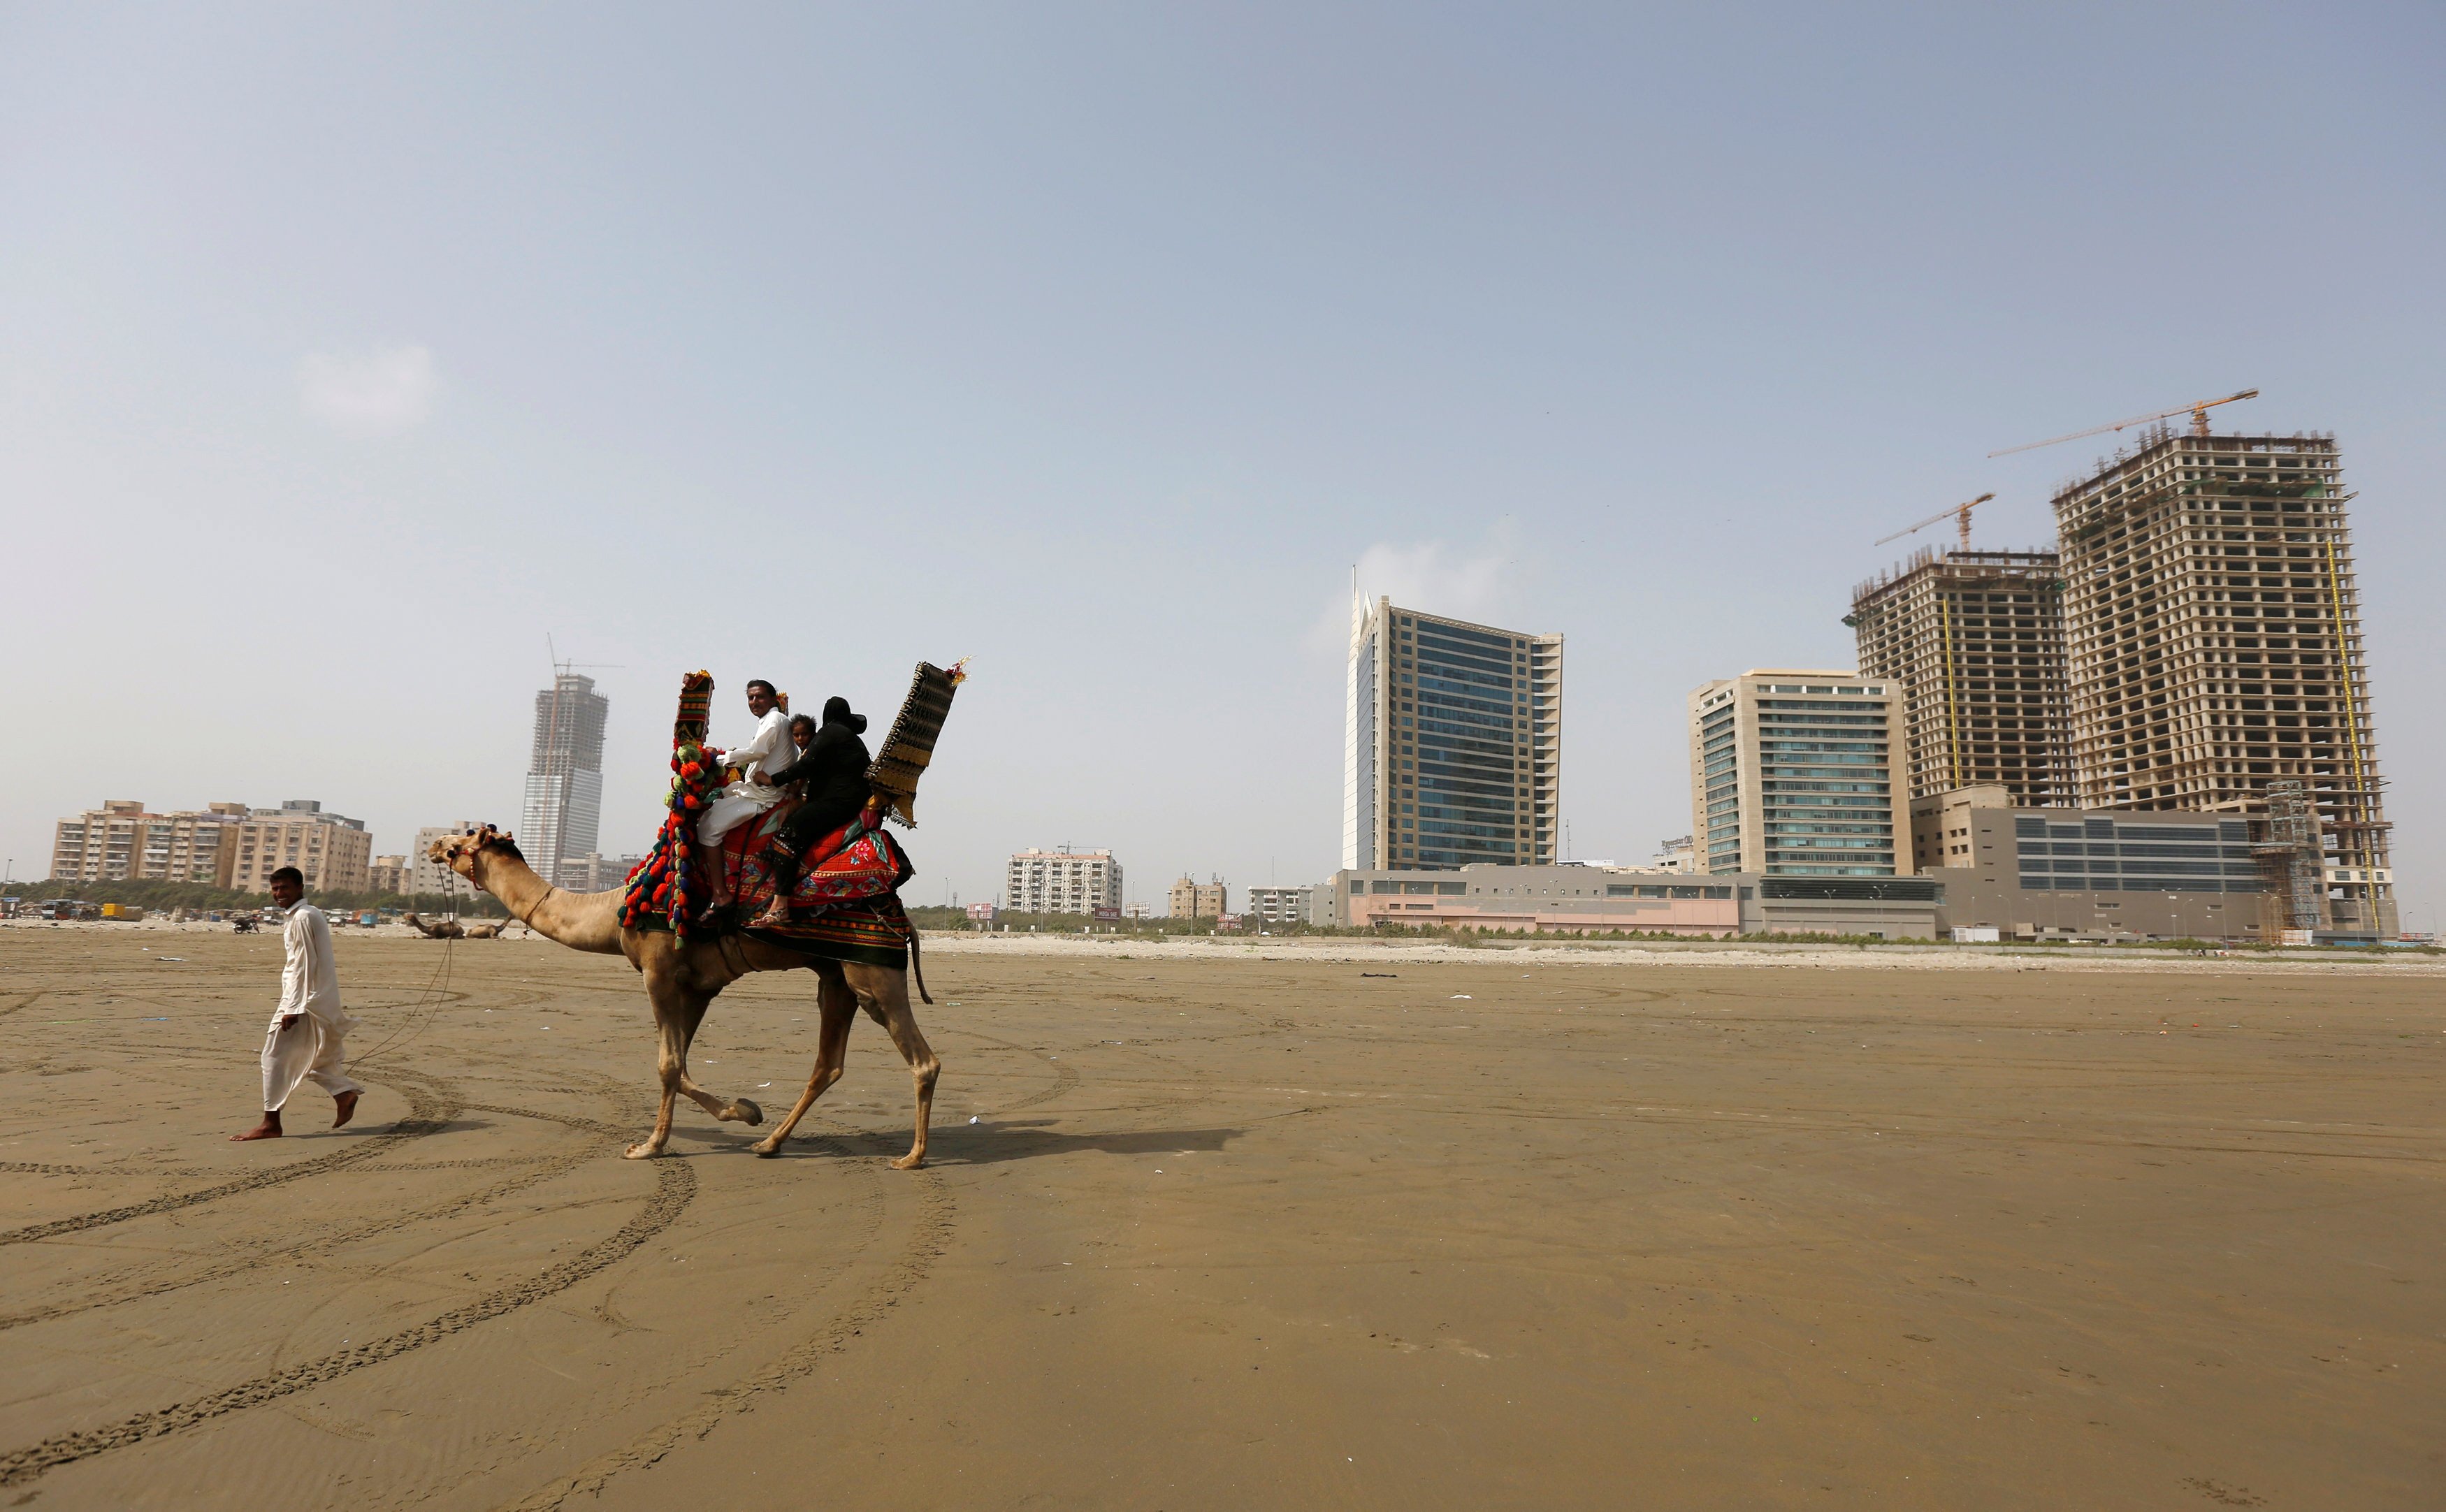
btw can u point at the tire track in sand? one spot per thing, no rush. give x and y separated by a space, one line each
538 1170
929 1236
430 1106
674 1186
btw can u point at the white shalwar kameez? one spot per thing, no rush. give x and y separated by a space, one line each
768 749
309 987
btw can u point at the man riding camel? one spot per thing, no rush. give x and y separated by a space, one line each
832 767
743 801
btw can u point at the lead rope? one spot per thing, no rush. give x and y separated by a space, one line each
420 1013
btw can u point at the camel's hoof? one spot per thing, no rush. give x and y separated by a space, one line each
645 1151
909 1163
763 1150
747 1113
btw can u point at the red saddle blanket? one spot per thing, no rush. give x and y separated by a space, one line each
852 864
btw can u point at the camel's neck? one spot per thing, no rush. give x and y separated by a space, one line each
582 921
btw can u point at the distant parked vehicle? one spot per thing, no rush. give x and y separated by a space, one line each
245 924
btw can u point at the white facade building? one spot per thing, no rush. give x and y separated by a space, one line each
563 813
1062 881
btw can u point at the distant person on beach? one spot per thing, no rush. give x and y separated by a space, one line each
307 1028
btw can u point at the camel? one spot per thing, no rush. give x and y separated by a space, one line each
439 929
681 981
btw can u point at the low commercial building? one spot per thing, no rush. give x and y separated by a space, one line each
1597 900
1062 881
2087 873
330 850
1192 899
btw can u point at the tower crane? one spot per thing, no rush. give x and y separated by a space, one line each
2198 412
1960 513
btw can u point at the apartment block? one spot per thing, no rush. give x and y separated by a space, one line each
1274 907
429 878
596 873
1192 899
1452 742
331 851
1062 881
1792 775
386 874
123 842
563 812
2213 644
1974 643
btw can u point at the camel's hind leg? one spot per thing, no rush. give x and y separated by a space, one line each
839 1006
884 994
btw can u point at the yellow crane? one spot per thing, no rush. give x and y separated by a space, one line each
1960 512
2198 412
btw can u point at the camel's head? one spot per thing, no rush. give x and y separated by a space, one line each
458 852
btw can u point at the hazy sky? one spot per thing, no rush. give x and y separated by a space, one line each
348 352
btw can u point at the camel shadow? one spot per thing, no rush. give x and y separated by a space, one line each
994 1142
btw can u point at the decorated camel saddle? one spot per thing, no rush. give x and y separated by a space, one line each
847 896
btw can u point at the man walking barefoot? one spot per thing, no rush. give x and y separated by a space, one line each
305 1038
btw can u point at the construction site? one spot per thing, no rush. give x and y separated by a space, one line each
2192 643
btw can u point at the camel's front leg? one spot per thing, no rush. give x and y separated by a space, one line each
676 1012
886 994
667 1061
839 1007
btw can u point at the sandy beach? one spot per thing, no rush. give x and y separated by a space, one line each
1252 1224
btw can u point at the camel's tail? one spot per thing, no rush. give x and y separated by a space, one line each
917 968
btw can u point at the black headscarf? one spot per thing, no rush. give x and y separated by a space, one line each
837 712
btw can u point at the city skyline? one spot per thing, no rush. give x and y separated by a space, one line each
1073 334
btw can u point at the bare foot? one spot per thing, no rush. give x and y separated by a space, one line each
269 1129
343 1108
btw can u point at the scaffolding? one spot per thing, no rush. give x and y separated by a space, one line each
2292 861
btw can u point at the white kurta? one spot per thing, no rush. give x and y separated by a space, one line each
768 749
309 987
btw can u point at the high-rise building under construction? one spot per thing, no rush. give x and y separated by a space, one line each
2213 647
1452 742
564 797
1975 643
